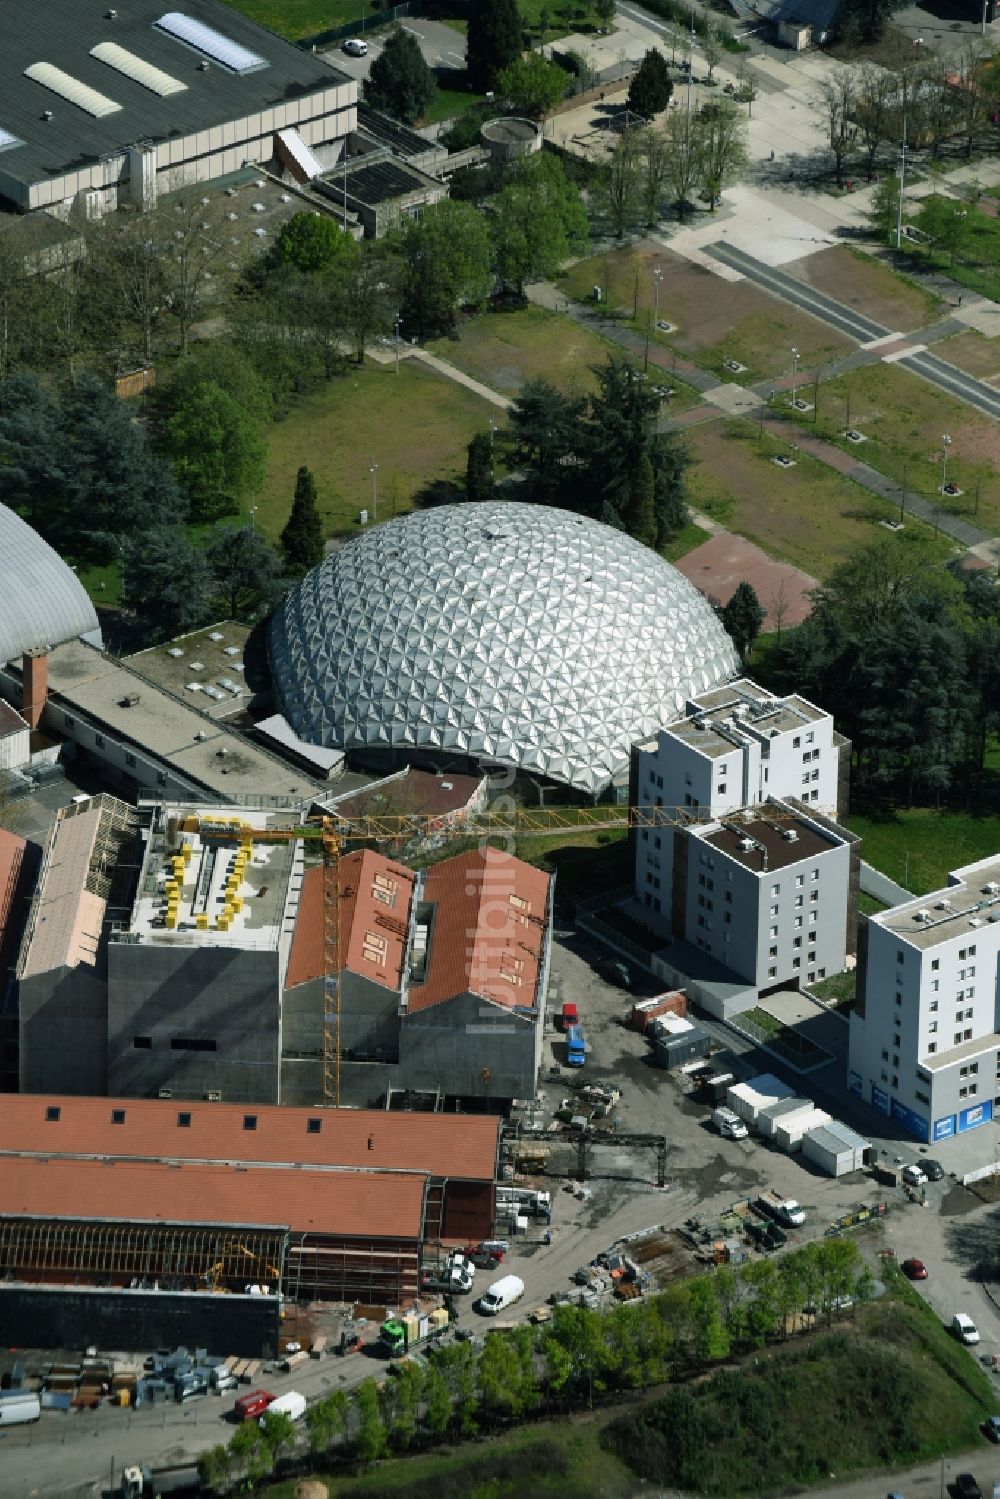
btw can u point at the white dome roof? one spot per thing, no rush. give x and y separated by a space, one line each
508 632
42 601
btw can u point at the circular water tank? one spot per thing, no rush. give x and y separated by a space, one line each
510 137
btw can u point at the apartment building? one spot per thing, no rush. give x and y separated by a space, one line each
735 746
924 1044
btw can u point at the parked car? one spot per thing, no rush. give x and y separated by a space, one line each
355 47
914 1269
933 1170
964 1328
616 972
966 1487
914 1176
991 1428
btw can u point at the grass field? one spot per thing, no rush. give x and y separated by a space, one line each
505 349
807 515
685 541
869 286
416 425
298 18
917 848
904 419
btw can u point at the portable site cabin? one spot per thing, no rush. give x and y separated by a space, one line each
747 1099
776 1114
835 1149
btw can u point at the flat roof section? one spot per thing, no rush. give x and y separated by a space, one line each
64 35
958 910
410 793
442 1145
204 669
86 680
771 848
349 1204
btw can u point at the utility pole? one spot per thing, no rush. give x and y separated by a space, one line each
902 185
374 473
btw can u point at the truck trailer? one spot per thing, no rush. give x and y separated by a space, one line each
142 1481
783 1210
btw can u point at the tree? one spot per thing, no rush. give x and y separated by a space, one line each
605 11
532 85
654 166
743 617
874 110
640 510
650 90
279 1433
479 468
713 48
302 538
722 149
494 40
446 264
372 1440
326 1421
539 220
214 1467
437 1402
228 367
621 181
34 464
544 426
838 100
217 450
167 582
312 242
683 160
748 86
369 288
885 208
946 224
245 567
400 82
865 20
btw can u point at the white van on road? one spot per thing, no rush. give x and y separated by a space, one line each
501 1294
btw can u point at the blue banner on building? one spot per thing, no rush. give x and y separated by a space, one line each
880 1100
854 1083
944 1128
980 1113
909 1119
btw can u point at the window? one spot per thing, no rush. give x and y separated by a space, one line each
798 923
807 757
772 952
192 1043
805 779
884 1075
799 880
814 874
933 1006
773 932
895 1081
775 889
774 910
963 1092
117 1116
797 942
161 778
727 917
895 1039
645 835
729 876
973 1089
130 760
772 973
931 1048
812 916
249 1121
973 1068
967 1035
142 1043
932 1028
895 1059
922 1098
963 1072
810 737
798 902
972 951
184 1120
701 879
313 1126
796 962
722 788
969 1014
935 962
729 897
52 1114
899 998
885 1056
797 741
899 955
958 1038
701 921
657 841
99 740
815 775
961 954
935 985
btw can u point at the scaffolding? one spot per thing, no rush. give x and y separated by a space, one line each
138 1256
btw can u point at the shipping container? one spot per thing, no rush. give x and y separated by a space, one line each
247 1407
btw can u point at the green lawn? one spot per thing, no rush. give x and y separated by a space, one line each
450 102
917 848
904 419
977 263
564 1459
839 989
103 582
295 19
416 425
685 541
505 349
808 515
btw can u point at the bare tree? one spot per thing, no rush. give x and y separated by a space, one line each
713 48
683 158
973 75
941 105
837 100
722 148
778 606
621 181
874 110
748 87
192 229
125 261
654 164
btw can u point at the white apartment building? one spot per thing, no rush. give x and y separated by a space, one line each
736 746
771 893
924 1047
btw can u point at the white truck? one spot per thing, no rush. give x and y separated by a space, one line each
783 1210
18 1409
500 1295
292 1405
141 1481
456 1276
729 1125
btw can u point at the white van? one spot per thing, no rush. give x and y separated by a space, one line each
964 1329
729 1125
501 1294
292 1405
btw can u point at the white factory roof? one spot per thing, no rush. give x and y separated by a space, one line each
42 602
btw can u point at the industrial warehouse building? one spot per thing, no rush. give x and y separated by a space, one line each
138 1223
103 106
180 949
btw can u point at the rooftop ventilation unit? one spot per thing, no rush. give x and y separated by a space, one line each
921 915
942 905
790 835
213 1096
975 921
991 888
746 844
165 1093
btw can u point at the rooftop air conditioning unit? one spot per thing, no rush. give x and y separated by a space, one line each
943 905
922 916
975 921
165 1093
790 835
991 888
746 844
213 1096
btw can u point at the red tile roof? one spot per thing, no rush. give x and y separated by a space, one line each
440 1144
12 852
365 1205
488 933
375 896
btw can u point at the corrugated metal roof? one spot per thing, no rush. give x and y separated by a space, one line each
42 603
488 933
349 1204
90 100
442 1145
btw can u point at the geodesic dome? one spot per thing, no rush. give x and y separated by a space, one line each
507 632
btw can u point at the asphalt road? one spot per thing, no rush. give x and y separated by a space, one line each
827 309
443 48
955 381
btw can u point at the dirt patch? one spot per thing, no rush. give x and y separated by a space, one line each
963 1199
987 1190
973 353
311 1488
868 286
724 561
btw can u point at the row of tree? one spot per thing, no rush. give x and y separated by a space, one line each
581 1356
689 155
906 655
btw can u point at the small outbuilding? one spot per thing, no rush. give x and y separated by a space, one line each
778 1113
791 1130
748 1099
676 1041
835 1148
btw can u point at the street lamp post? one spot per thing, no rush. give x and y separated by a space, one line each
945 445
657 278
397 342
373 470
795 372
902 186
493 430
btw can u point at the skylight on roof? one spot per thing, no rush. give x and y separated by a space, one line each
7 140
209 42
68 87
137 69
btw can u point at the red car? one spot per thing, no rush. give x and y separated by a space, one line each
914 1269
570 1015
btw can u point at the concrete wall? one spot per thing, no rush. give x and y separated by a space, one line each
449 1045
369 1019
135 1321
169 993
15 749
63 1028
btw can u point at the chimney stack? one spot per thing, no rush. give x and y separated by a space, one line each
34 686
